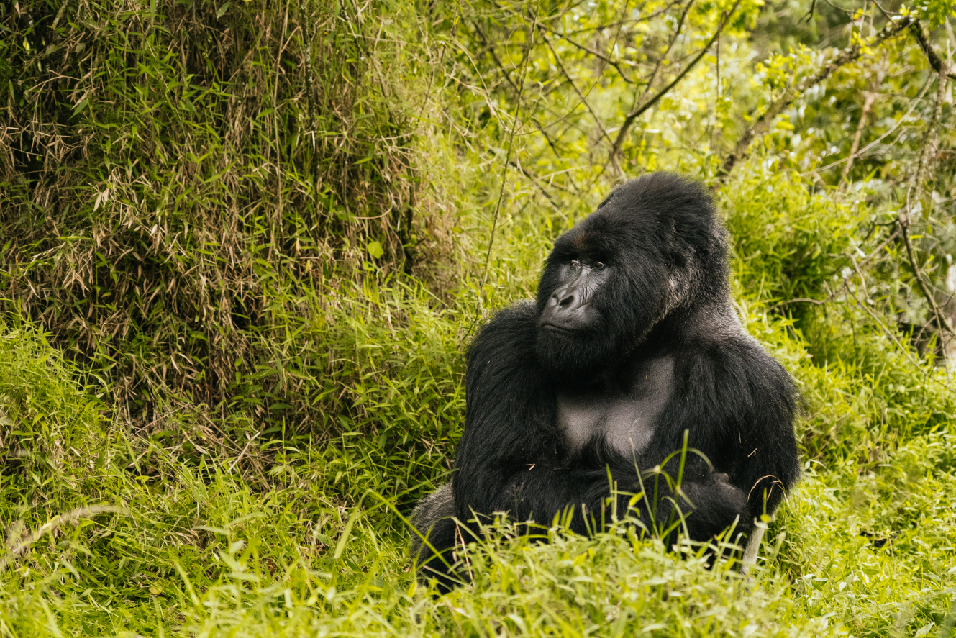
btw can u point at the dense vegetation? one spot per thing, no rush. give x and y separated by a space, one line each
243 247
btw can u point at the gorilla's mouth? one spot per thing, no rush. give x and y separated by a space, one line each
551 327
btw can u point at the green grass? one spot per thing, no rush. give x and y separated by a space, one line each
317 545
244 249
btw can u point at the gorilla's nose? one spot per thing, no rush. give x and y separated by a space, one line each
565 310
564 301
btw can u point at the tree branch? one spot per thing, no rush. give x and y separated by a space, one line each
903 349
898 124
867 103
511 138
934 60
589 51
927 157
762 125
667 51
621 23
494 58
637 112
537 184
574 86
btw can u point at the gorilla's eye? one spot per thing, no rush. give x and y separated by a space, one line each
599 265
575 263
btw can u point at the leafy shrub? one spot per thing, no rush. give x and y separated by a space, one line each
788 242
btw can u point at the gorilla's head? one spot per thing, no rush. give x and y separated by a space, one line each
652 252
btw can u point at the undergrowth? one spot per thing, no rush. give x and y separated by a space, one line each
244 249
317 545
178 179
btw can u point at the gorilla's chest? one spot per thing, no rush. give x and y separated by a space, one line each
623 414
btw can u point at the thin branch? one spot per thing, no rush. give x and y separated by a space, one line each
927 157
815 302
636 113
537 184
667 51
867 103
866 306
612 155
622 23
889 333
511 138
848 12
886 242
860 267
763 123
856 267
501 67
715 130
892 335
952 38
899 123
574 86
882 10
589 51
624 10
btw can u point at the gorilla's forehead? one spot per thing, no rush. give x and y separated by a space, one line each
660 213
657 188
607 227
600 236
585 239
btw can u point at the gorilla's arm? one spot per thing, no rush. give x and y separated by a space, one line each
509 456
435 538
738 405
768 446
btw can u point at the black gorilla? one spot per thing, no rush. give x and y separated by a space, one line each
632 345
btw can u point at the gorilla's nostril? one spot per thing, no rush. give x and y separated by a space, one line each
567 301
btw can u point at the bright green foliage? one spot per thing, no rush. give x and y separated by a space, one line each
243 248
199 552
872 544
789 243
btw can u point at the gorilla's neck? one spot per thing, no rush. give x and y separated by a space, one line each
690 324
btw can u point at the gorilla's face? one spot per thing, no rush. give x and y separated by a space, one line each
596 301
651 248
572 307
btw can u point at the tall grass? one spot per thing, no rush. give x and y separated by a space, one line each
180 178
242 260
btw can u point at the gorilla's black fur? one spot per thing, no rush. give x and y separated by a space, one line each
632 343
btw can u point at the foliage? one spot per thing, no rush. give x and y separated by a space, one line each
246 245
172 191
864 547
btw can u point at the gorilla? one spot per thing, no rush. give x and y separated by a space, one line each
630 365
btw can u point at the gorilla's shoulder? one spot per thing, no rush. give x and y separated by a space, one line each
714 326
718 337
512 328
506 342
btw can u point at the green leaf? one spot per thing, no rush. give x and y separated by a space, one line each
375 249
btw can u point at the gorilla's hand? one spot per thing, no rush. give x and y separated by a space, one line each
714 504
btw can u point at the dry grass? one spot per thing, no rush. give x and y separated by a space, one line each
181 183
